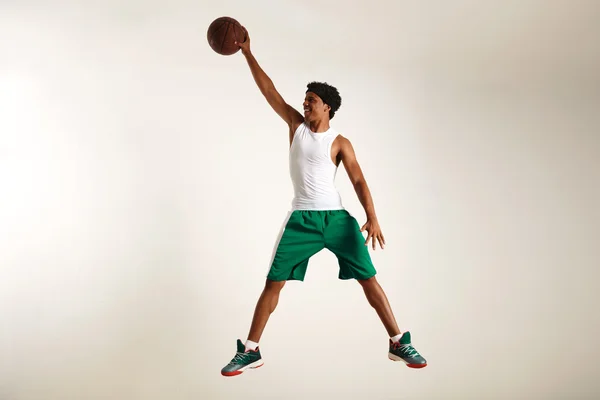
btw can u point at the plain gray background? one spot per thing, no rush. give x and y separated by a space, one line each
144 178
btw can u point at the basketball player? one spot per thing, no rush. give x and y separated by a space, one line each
317 219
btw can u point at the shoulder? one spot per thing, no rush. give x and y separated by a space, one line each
343 149
343 142
297 125
296 128
296 120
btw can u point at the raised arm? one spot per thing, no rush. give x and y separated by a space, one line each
290 115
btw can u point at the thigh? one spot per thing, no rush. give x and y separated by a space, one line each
344 239
300 239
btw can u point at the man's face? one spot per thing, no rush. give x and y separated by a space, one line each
314 108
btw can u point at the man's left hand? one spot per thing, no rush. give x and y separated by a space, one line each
374 233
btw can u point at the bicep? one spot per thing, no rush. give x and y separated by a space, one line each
288 113
351 163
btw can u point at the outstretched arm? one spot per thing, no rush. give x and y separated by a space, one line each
348 157
290 115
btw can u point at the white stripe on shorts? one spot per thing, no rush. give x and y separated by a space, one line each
285 221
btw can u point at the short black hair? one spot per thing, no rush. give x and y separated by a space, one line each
328 94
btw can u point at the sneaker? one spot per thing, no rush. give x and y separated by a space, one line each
242 360
404 351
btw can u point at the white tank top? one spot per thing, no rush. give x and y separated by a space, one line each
312 170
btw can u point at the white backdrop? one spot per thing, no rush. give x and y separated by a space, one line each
144 178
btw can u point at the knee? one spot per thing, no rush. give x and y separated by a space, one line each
366 283
274 286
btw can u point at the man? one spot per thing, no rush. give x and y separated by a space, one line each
318 220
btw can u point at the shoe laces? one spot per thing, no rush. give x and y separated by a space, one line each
239 357
408 349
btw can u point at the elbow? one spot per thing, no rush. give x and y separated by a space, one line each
359 183
268 86
269 92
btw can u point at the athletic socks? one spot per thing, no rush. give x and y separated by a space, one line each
250 345
396 338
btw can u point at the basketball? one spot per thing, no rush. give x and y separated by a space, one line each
222 34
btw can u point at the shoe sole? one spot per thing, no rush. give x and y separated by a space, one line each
254 365
394 357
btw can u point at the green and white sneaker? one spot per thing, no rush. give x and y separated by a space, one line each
242 360
403 350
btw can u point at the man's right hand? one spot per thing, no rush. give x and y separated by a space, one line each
245 46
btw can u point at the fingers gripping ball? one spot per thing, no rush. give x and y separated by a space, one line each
222 34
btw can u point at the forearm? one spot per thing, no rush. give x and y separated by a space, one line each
365 198
265 84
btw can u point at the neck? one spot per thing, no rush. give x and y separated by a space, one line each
319 126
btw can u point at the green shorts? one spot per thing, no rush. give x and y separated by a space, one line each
305 233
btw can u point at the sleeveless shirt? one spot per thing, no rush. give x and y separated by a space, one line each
312 171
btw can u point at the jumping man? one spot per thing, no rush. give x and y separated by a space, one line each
317 219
